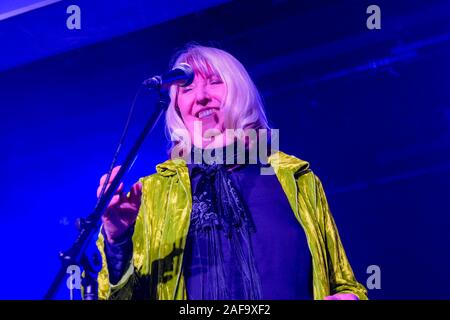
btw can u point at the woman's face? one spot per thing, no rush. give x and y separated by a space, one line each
201 107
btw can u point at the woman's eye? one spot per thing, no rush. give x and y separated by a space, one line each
186 89
216 81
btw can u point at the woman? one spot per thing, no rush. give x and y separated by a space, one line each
219 230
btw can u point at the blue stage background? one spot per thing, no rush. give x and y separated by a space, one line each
369 109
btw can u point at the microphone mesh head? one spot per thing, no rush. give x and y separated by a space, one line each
188 72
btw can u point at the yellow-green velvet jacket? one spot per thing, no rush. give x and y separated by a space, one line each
156 271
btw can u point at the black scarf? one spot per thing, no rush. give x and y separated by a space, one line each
217 207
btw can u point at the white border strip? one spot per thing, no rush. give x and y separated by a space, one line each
40 4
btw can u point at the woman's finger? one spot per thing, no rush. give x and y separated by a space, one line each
118 191
113 204
114 172
136 193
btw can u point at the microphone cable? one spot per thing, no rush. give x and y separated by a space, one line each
119 145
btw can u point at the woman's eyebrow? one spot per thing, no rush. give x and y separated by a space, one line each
214 75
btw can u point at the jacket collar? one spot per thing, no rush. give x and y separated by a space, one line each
279 161
282 161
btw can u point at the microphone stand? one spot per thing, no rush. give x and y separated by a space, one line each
79 254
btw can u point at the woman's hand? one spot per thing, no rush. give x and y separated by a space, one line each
342 296
122 211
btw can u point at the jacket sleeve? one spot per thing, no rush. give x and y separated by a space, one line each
132 284
341 277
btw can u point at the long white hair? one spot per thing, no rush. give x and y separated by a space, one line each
243 107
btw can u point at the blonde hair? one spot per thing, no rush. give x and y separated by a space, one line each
243 107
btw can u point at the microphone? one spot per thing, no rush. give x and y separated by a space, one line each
181 75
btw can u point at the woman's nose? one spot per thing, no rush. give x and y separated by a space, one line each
203 95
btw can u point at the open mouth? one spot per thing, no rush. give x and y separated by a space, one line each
205 113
